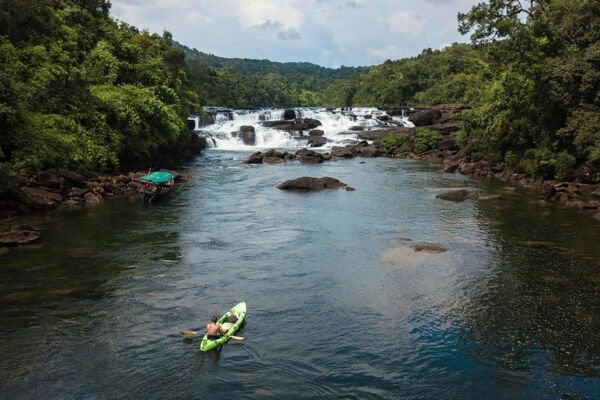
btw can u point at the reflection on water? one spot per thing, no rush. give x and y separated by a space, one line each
336 306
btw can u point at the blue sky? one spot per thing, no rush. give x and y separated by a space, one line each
325 32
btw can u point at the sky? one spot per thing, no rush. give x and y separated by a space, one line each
330 33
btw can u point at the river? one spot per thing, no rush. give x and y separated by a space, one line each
338 307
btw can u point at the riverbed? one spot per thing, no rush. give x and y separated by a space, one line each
339 304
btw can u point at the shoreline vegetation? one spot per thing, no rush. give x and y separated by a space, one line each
84 93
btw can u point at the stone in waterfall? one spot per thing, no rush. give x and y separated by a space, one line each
316 132
289 114
248 135
316 141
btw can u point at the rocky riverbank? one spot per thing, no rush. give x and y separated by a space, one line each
53 189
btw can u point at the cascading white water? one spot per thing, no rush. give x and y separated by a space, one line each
335 123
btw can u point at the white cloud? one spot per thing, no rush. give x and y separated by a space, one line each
253 13
195 17
405 22
327 32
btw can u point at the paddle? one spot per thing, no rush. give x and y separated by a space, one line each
188 333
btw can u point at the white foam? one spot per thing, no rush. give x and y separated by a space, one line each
336 124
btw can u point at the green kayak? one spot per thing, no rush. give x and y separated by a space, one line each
240 312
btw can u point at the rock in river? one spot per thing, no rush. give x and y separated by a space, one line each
16 236
309 183
39 198
428 248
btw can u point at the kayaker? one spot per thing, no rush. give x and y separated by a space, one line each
213 328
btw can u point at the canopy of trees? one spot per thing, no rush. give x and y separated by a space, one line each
79 90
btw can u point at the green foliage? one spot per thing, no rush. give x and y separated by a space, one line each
242 83
80 91
458 73
426 139
546 164
391 141
543 107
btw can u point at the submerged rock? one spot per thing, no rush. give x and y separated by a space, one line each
16 236
428 248
309 184
462 195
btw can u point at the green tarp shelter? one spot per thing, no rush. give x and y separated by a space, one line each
159 177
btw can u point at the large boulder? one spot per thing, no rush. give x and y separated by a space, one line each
72 176
426 117
446 128
300 124
381 133
454 195
256 158
249 138
342 152
306 156
289 114
273 157
39 198
50 179
447 144
369 151
317 141
308 183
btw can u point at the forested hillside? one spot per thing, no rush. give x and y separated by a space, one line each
236 82
456 74
79 90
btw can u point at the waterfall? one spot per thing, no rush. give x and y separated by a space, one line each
340 126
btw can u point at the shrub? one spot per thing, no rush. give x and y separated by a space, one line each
564 165
544 163
511 160
426 139
393 141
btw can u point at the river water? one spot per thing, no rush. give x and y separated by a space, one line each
338 307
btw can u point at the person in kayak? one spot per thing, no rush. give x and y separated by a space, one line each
213 328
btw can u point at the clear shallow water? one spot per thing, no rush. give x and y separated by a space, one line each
337 309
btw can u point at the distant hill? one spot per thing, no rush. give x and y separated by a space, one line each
246 66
